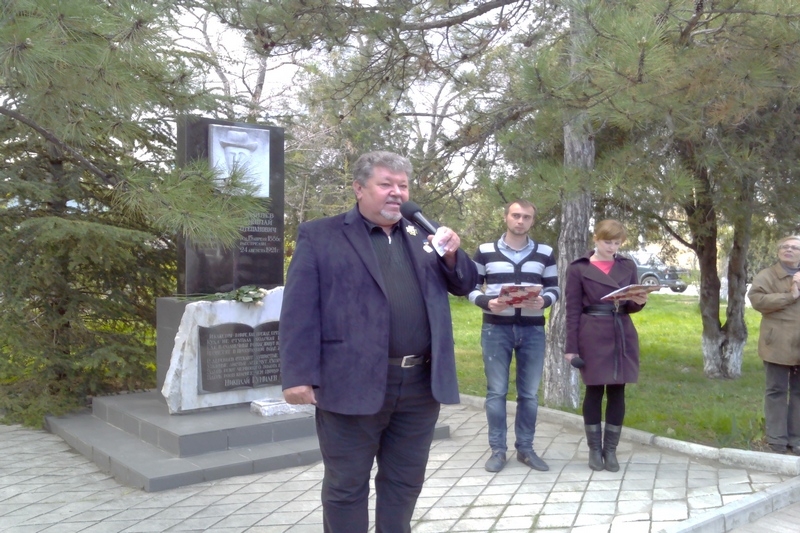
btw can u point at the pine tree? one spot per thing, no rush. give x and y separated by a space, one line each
91 199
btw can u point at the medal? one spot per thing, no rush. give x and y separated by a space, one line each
427 248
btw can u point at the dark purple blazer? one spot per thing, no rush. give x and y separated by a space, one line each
334 325
594 337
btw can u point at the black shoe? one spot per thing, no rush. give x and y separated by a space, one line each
532 460
496 462
779 448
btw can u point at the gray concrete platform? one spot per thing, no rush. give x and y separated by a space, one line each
663 486
133 437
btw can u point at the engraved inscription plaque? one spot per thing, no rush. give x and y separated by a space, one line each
235 356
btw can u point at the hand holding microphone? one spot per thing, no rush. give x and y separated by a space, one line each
445 241
575 360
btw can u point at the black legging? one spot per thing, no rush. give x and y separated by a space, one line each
593 404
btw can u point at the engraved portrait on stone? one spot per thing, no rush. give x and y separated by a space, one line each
236 147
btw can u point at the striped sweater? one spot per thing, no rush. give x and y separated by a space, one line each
496 270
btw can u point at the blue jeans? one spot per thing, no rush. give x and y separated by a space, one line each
498 342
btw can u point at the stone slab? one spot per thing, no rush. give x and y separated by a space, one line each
181 383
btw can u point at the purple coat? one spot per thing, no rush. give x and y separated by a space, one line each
595 338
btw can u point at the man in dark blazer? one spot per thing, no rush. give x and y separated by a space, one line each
366 336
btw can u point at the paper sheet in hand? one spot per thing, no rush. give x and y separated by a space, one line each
517 294
437 241
625 293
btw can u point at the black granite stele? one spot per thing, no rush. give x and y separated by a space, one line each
257 259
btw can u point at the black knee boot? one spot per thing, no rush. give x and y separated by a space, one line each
610 441
594 439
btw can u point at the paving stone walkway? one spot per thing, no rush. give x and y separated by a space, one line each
47 487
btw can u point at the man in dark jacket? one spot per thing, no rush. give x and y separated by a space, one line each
366 336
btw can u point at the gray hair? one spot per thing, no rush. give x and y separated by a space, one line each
789 238
363 168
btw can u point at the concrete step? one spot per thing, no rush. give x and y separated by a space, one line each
133 437
139 464
145 415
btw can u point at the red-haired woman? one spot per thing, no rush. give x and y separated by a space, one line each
601 338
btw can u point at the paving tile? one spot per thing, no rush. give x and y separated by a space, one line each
433 526
522 510
598 520
600 495
473 524
44 485
484 511
445 513
547 521
565 496
673 493
669 510
513 523
708 501
598 508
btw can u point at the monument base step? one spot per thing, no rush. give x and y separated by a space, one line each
133 437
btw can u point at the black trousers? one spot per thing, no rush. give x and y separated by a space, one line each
398 437
782 405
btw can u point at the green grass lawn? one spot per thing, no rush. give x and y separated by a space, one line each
673 398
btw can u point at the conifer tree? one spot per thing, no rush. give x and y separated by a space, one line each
685 98
91 199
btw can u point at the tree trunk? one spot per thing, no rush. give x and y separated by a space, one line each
561 387
722 346
735 329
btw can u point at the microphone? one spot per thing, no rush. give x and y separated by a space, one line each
577 362
411 211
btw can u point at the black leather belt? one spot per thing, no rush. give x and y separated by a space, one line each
409 360
604 310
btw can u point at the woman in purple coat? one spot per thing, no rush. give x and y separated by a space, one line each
601 339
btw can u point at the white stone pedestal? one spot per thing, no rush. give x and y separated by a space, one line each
181 385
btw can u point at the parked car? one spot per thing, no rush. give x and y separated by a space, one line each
653 271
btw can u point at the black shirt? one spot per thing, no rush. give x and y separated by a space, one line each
409 330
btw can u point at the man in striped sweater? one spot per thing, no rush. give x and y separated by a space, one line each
514 328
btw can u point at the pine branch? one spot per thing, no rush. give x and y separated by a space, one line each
459 19
82 161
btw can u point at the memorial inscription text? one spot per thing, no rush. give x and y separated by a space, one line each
234 356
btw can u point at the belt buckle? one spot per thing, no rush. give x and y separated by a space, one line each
406 358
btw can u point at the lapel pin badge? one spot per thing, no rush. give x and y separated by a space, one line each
427 248
411 230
